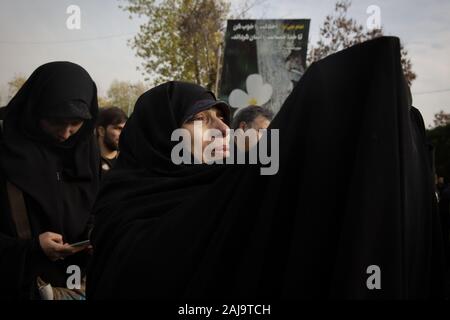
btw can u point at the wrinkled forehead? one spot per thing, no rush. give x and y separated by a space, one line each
162 109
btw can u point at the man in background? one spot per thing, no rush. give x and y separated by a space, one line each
252 117
110 123
255 118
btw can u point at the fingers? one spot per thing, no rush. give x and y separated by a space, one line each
55 248
55 237
74 250
65 249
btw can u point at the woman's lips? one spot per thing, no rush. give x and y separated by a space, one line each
222 148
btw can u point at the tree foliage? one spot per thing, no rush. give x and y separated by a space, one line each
339 32
15 84
441 119
180 38
122 94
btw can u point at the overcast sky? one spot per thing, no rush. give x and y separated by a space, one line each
34 32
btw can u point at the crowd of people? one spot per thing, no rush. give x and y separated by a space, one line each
161 230
52 162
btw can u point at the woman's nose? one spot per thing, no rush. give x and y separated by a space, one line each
222 127
66 132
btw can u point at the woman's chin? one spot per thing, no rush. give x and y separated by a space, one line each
216 156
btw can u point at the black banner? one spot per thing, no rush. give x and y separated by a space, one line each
263 60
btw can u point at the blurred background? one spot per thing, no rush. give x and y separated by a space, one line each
129 46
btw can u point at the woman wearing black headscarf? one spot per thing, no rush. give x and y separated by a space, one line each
49 176
201 231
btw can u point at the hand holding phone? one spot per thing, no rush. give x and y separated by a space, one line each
84 243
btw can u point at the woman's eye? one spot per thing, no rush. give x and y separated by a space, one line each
198 118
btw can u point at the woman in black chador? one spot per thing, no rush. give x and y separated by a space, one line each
49 177
200 231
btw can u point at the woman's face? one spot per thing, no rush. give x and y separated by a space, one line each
60 129
199 127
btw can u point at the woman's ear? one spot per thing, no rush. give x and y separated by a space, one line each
243 125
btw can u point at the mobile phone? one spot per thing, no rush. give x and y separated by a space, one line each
81 243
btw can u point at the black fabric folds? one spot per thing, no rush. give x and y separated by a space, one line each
354 189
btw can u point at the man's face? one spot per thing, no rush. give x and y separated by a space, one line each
209 119
111 135
260 122
257 124
60 129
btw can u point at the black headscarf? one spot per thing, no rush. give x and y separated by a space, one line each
226 232
146 140
146 146
61 177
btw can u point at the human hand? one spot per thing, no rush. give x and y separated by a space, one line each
54 248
